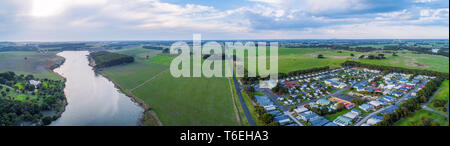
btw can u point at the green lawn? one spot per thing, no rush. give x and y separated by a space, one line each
415 119
443 94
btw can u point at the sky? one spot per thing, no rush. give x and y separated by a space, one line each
103 20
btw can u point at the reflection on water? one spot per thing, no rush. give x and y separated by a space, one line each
92 99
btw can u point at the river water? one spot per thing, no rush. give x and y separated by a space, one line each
92 99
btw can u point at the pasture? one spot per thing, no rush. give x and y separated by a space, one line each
177 101
29 62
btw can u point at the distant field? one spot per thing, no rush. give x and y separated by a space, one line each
35 63
407 59
292 59
177 101
415 119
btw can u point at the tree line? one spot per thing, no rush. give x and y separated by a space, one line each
107 59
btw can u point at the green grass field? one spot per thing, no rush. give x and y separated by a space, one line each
415 119
292 59
407 59
189 101
30 63
177 101
443 94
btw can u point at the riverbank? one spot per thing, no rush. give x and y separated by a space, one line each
149 117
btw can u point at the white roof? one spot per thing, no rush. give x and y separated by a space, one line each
375 103
300 109
373 121
351 115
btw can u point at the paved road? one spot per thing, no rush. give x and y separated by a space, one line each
238 88
293 118
425 106
249 116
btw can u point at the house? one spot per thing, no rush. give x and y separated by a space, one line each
397 94
318 121
313 105
376 104
268 84
300 110
356 111
306 116
389 98
367 107
323 102
343 121
283 119
374 120
330 124
34 82
270 108
351 115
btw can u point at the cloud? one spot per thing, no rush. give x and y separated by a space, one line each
159 19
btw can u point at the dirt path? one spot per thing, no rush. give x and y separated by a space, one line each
154 77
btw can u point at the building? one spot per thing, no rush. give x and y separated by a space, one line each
343 121
34 82
318 121
389 98
376 104
323 102
356 111
305 116
330 124
300 110
367 107
351 115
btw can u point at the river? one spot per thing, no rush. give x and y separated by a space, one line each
92 99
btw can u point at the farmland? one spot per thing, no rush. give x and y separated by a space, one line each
177 101
292 59
30 62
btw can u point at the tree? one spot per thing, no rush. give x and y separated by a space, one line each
353 55
320 56
340 107
267 118
357 101
47 120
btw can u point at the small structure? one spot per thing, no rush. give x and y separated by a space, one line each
323 102
343 121
351 115
367 107
376 104
34 82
